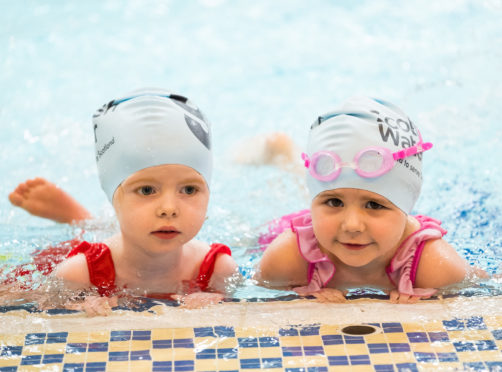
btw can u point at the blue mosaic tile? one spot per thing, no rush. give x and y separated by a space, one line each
97 347
247 342
95 367
313 350
57 338
310 331
332 339
483 345
120 335
291 351
340 360
425 357
359 359
140 355
183 343
204 332
269 341
407 367
447 357
184 365
73 348
118 356
31 359
228 353
205 354
250 363
392 327
384 368
497 334
164 366
461 346
271 363
8 369
438 336
9 351
222 331
142 335
288 332
474 366
162 344
34 338
73 367
475 323
416 337
378 348
399 347
52 358
454 325
494 366
353 339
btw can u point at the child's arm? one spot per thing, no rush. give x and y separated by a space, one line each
225 268
282 264
440 265
74 272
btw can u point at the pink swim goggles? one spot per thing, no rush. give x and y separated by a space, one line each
368 163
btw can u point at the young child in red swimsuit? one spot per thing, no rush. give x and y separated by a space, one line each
153 154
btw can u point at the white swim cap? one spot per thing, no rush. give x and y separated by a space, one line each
363 122
146 128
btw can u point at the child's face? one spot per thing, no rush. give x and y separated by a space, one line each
161 208
358 227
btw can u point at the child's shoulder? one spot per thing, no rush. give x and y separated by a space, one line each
224 264
282 263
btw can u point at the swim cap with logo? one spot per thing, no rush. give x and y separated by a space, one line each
362 122
146 128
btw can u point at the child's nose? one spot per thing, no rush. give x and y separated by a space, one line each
167 207
353 221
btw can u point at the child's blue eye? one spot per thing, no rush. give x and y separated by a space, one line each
146 190
334 202
189 190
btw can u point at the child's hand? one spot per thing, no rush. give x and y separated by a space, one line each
329 295
198 300
95 305
401 298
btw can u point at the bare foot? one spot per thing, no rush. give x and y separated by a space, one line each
44 199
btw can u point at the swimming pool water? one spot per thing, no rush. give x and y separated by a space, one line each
252 68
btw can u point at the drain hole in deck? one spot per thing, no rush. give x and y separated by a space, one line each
358 330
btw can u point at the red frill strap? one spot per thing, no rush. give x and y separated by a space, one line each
207 265
100 265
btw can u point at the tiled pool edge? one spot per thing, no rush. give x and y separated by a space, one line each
247 314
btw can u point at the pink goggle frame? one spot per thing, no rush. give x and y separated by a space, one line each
383 161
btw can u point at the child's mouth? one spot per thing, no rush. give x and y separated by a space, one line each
354 247
166 233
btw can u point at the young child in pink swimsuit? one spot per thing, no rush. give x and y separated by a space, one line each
364 175
153 153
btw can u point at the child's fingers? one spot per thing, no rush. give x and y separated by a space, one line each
329 295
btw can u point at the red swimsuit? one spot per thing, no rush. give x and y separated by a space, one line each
101 267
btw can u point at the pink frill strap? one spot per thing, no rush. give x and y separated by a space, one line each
320 268
403 266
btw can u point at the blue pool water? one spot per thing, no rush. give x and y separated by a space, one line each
253 67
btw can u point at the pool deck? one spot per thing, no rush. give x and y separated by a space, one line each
456 334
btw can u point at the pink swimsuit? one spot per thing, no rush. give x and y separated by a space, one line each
401 270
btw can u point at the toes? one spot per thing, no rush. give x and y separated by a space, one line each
36 182
16 198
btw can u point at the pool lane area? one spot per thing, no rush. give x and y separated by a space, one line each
302 335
